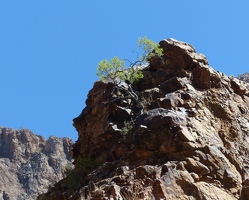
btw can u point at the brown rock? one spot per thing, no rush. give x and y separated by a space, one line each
183 135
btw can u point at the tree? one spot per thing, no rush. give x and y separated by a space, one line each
111 69
116 68
116 71
150 49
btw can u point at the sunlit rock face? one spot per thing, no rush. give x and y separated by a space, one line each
29 163
185 135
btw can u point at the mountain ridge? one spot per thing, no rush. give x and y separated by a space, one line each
29 163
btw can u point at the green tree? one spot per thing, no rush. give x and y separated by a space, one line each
150 49
116 71
111 69
116 68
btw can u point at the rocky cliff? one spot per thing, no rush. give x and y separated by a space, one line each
180 133
244 77
29 163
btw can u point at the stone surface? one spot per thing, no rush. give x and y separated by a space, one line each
186 136
29 164
244 77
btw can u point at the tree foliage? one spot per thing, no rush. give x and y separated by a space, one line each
116 68
150 49
111 69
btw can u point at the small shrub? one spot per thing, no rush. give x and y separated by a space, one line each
83 166
128 126
86 164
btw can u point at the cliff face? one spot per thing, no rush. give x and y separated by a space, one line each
29 164
180 133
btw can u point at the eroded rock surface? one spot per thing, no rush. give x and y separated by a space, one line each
29 164
244 77
187 136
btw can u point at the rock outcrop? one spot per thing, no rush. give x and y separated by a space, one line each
244 77
185 136
30 164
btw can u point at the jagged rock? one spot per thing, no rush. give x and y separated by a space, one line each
29 164
187 137
244 77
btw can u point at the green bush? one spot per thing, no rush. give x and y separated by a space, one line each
83 166
86 164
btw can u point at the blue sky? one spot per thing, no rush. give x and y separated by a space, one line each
49 49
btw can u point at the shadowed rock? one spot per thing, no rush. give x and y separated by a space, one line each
29 163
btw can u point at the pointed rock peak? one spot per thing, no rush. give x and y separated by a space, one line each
177 55
183 45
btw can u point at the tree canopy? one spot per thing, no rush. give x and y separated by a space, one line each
116 68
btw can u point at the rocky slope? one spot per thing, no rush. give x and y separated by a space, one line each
29 164
180 133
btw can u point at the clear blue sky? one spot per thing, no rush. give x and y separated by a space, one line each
49 49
